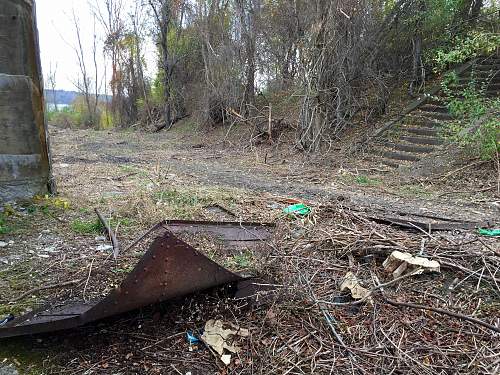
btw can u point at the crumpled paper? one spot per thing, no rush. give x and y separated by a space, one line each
221 339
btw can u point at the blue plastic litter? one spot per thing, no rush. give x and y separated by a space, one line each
191 338
9 318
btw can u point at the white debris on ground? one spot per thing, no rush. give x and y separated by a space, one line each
221 339
104 248
399 263
352 284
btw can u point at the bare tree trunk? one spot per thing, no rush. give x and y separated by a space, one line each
247 11
84 86
418 65
51 80
140 69
165 19
162 16
96 80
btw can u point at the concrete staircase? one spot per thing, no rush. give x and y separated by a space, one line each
418 133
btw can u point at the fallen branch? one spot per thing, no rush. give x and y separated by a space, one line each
172 123
39 289
442 311
143 236
114 241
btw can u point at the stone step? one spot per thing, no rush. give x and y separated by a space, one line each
435 115
432 141
429 107
436 101
423 131
493 87
488 93
479 79
480 73
409 148
400 156
419 120
490 86
483 67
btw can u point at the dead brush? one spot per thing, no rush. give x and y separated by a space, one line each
314 328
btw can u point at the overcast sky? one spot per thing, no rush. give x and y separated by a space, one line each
57 38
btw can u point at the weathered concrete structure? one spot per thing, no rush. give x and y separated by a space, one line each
24 155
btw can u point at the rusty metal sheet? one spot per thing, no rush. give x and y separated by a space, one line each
170 268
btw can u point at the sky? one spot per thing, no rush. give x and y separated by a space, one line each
58 38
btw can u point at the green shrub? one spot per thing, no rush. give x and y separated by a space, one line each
66 117
476 128
464 48
482 140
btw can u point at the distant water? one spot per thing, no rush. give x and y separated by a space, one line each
52 106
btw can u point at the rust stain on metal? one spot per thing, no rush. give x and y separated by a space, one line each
170 268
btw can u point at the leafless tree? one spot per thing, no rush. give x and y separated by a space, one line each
51 82
248 11
162 10
109 14
87 77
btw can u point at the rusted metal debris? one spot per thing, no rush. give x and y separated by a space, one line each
170 268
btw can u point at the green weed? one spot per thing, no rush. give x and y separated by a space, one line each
87 226
4 228
96 227
364 180
241 261
179 198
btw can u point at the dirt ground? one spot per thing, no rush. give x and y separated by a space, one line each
137 179
201 158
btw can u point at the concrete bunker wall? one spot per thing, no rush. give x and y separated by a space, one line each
24 156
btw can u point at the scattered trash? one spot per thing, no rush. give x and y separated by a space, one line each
7 319
3 244
399 263
489 232
351 283
161 274
104 248
192 339
100 238
299 209
273 206
44 256
221 339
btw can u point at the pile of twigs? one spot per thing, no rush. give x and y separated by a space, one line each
430 324
443 323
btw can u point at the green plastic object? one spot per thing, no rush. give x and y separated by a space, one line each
490 232
297 209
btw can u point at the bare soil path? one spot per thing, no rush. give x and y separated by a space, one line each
199 159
